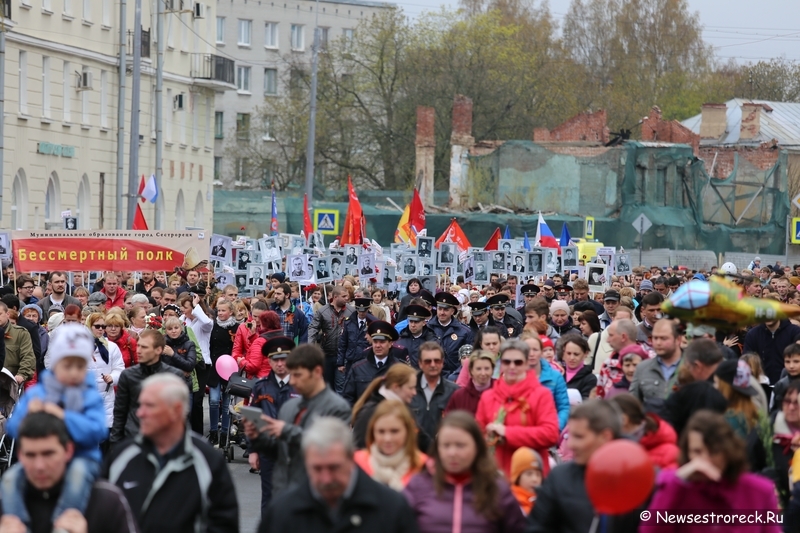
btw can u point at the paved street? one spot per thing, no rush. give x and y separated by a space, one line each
248 487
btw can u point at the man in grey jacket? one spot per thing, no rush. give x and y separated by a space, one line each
654 378
283 436
325 330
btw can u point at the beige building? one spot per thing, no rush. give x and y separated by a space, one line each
61 102
269 40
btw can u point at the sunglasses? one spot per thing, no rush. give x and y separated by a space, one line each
99 326
431 361
515 362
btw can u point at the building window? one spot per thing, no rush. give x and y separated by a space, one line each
242 126
46 6
87 10
45 86
66 106
245 29
348 37
218 132
271 35
184 112
297 37
85 101
323 38
19 201
194 109
269 127
104 99
270 81
106 21
243 79
23 82
220 29
267 174
217 168
169 118
153 112
185 29
68 7
296 83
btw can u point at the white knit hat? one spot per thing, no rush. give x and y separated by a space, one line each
70 340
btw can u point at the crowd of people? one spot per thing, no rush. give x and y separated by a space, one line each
466 408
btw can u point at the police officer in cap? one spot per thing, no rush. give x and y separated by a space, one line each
377 360
529 291
480 316
417 332
563 292
270 393
353 340
508 325
422 296
451 333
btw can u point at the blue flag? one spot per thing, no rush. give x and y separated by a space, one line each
273 226
526 243
507 234
565 237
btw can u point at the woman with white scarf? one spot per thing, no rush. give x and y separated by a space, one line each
107 363
196 317
399 384
391 456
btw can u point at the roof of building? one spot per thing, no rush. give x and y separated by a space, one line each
779 120
364 3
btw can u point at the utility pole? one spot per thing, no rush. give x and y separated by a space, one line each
159 100
133 167
312 117
123 60
2 106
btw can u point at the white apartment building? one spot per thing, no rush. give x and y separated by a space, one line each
61 102
265 37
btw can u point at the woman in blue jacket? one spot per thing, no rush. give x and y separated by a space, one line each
548 376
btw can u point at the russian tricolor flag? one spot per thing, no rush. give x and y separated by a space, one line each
545 237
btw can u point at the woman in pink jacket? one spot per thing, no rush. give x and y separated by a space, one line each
518 410
713 477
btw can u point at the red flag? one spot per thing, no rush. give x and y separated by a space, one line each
455 234
308 228
139 221
416 216
354 222
493 241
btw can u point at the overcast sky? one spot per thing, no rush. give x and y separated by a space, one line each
742 29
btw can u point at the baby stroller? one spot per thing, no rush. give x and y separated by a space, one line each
239 388
10 392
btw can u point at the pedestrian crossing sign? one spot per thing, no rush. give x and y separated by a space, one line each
326 221
795 236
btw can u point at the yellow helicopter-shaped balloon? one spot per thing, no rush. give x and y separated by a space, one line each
722 304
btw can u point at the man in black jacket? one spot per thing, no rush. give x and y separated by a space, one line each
326 329
433 393
562 503
126 404
336 495
45 450
416 333
173 479
376 362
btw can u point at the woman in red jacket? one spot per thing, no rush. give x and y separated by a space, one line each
655 435
481 368
518 410
255 364
248 330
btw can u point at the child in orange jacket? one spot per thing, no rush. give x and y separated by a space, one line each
526 477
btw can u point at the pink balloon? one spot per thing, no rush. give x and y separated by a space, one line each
226 366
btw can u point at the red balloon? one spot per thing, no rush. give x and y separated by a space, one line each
619 477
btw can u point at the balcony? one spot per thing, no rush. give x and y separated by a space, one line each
145 43
214 72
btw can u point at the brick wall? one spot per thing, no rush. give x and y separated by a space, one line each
462 121
655 129
582 127
762 157
425 120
